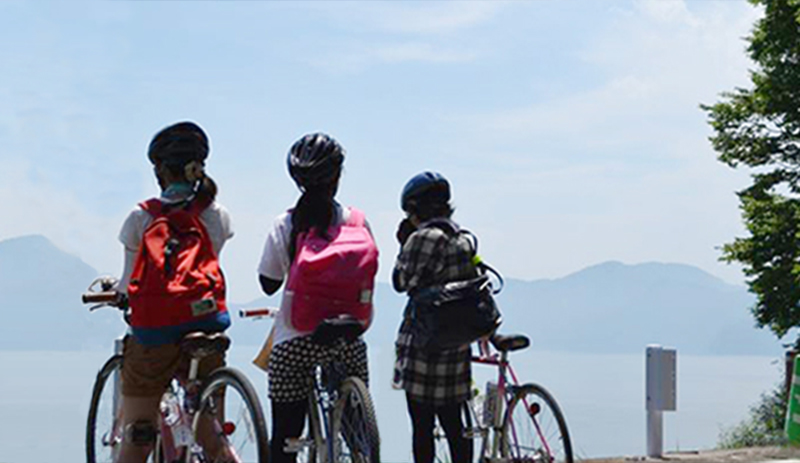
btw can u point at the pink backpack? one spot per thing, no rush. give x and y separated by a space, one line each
333 277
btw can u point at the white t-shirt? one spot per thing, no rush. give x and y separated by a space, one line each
275 265
215 218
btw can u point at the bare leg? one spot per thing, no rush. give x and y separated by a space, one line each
137 409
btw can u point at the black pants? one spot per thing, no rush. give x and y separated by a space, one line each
288 420
422 420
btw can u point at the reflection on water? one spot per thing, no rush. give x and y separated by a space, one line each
44 399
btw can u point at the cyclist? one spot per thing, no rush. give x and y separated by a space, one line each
315 164
437 384
178 154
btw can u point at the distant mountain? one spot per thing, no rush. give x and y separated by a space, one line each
607 308
40 288
613 307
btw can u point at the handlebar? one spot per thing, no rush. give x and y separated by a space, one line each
257 313
102 297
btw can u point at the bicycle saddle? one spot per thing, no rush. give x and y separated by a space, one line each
199 344
331 330
510 343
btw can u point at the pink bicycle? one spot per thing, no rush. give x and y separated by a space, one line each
519 423
224 406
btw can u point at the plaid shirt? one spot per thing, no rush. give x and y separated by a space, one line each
430 257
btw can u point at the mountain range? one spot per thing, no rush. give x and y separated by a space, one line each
606 308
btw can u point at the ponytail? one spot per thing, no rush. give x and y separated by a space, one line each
206 191
314 210
204 186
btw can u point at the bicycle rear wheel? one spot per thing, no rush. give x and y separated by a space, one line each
534 429
104 424
355 425
229 410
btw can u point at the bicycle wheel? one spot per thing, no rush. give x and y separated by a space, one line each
441 451
104 424
534 429
355 426
229 407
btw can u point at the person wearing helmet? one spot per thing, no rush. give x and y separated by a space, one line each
177 153
432 252
315 164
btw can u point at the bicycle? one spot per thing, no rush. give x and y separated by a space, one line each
341 416
519 423
189 407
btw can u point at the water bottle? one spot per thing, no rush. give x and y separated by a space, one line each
174 417
170 408
490 404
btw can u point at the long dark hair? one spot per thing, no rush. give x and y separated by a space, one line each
314 210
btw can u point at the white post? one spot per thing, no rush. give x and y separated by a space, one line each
660 394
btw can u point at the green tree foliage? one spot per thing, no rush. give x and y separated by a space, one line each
763 426
759 128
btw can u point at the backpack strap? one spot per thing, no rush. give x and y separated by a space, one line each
452 230
356 218
153 206
156 208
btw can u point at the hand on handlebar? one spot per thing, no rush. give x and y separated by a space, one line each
103 292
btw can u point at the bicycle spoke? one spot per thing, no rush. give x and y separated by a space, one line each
535 430
242 437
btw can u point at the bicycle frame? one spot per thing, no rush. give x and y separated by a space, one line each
327 379
505 390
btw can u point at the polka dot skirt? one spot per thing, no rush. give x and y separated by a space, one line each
292 362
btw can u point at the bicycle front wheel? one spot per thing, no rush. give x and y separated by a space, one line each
356 428
534 429
230 420
104 424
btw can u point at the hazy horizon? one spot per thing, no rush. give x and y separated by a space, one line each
570 131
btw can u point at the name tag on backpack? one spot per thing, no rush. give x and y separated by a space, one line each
204 307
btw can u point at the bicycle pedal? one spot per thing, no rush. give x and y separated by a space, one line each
294 445
473 433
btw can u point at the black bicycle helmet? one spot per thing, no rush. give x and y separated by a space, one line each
179 144
315 159
428 186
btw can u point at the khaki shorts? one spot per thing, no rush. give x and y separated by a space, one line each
147 370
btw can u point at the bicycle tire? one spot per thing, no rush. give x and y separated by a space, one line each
253 429
441 447
534 428
354 420
114 431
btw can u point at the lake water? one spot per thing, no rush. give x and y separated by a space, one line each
44 399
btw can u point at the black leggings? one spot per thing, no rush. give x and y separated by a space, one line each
422 416
288 421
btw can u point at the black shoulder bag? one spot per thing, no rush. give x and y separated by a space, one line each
456 313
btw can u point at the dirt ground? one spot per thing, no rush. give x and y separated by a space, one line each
748 455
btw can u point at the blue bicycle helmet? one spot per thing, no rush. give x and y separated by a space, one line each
429 187
315 159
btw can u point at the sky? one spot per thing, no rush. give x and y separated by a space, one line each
570 131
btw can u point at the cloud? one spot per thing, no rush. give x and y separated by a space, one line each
667 11
359 57
430 18
408 18
653 66
415 32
